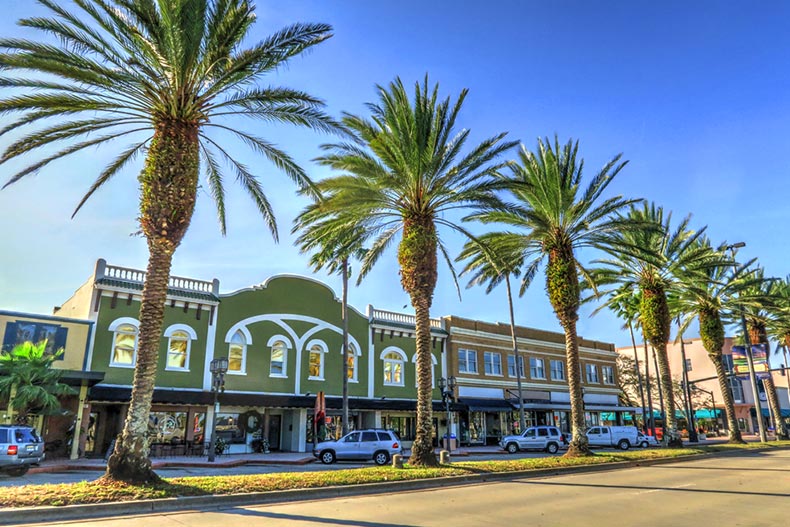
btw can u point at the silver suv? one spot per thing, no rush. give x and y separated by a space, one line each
20 447
548 438
378 445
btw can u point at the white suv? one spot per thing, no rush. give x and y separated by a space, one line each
20 447
548 438
378 445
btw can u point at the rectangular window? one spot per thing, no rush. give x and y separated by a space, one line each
277 367
592 373
608 374
511 366
557 370
467 361
236 358
493 363
178 351
737 390
536 370
315 363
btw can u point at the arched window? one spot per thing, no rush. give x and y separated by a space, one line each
237 353
124 346
351 362
315 364
393 367
279 357
180 341
433 370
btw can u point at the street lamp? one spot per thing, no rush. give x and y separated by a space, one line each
750 361
713 404
218 368
447 387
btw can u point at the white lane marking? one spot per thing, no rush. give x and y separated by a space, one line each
664 489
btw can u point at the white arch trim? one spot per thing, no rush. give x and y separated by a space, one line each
181 327
317 342
244 331
433 359
394 349
279 338
359 351
124 320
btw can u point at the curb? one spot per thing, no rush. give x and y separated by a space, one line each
64 467
28 515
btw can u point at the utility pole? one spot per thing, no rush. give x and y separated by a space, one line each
638 378
687 389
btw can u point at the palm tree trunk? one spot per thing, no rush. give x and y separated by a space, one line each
344 368
649 389
169 189
522 421
417 259
579 444
729 402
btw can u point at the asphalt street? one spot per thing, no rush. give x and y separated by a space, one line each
747 489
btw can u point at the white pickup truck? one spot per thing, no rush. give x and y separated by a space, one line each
622 437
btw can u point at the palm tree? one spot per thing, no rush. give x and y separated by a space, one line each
713 297
649 262
332 251
167 73
551 218
29 382
779 324
758 316
491 261
404 173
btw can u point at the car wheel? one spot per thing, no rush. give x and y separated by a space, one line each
19 471
327 457
623 444
644 444
381 458
512 448
552 448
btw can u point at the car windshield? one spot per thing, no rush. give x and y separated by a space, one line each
27 435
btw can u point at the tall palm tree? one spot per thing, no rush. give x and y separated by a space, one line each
165 72
779 324
551 219
758 316
404 173
492 260
649 262
713 298
331 250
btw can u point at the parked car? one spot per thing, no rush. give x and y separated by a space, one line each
361 445
548 438
622 437
645 441
20 447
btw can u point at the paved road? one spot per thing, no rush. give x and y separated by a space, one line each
750 489
75 476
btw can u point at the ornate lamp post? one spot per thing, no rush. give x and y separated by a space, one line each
447 387
218 368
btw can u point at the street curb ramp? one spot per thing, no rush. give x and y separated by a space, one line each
27 515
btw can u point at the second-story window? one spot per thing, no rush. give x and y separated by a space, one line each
237 353
536 370
124 346
393 369
511 366
607 372
178 351
316 362
279 355
467 361
493 363
592 373
557 370
351 363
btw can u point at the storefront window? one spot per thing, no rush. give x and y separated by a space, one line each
199 428
229 429
404 426
592 419
167 427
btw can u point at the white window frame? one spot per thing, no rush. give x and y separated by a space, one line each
466 353
114 327
604 378
512 358
286 346
352 350
493 355
170 333
542 375
590 368
322 351
393 362
434 363
246 342
552 362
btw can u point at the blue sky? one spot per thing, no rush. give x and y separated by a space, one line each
694 94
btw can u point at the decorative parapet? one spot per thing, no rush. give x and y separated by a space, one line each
400 320
125 277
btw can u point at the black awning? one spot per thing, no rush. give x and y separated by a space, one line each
486 405
161 396
76 377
